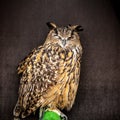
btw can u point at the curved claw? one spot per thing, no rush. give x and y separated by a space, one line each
41 111
16 118
63 116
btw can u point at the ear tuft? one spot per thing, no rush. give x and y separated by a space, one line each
51 25
78 28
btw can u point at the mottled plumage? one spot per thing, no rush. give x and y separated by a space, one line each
50 74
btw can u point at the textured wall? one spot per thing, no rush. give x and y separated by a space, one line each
22 28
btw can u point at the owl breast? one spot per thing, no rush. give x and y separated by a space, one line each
65 66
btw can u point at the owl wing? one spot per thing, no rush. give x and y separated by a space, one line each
25 68
23 65
37 78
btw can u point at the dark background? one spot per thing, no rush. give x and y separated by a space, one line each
23 27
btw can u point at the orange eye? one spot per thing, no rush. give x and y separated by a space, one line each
71 37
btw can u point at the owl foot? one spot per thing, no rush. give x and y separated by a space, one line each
16 118
63 116
41 112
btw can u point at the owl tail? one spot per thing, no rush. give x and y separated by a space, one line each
17 111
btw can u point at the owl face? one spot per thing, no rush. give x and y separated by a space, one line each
64 36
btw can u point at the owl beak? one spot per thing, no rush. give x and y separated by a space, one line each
63 42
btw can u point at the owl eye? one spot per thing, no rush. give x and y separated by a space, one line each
68 38
58 37
71 37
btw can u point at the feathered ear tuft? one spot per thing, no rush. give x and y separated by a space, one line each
51 25
77 28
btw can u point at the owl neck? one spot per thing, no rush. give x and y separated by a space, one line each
72 47
77 50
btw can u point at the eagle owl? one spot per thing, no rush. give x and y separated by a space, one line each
50 73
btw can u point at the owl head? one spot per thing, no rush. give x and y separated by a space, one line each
64 36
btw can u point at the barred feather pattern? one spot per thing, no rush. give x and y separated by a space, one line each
50 78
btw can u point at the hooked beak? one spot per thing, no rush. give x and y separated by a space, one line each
63 42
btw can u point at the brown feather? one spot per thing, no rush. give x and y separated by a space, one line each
50 77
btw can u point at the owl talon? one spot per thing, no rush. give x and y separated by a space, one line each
41 111
64 117
16 118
